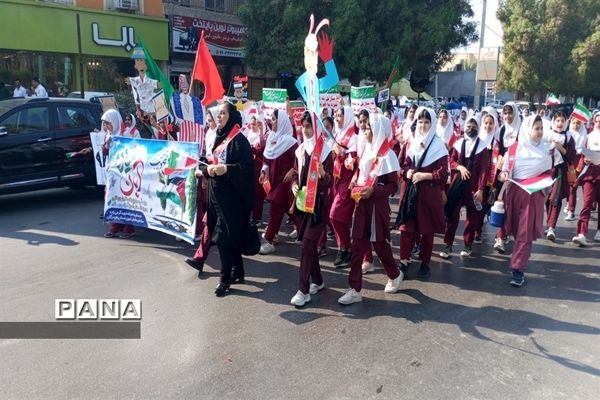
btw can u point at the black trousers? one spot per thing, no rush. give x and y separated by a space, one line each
231 260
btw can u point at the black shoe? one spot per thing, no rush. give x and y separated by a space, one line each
345 258
338 259
404 269
322 252
236 279
196 264
416 249
424 271
221 290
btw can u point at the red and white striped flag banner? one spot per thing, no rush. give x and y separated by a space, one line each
189 131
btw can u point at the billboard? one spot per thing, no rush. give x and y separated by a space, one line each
223 38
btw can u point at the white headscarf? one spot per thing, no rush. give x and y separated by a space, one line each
445 132
579 136
470 141
381 129
420 142
406 127
282 139
211 134
115 119
531 159
593 140
511 131
131 131
484 137
252 136
308 146
348 123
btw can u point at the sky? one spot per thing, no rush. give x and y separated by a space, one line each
493 32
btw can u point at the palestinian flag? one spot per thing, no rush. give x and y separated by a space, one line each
535 184
552 100
178 163
581 113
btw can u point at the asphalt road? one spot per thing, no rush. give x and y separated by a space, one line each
464 334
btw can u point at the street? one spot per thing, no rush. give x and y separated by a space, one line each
464 334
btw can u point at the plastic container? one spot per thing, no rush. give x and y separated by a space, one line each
478 205
497 214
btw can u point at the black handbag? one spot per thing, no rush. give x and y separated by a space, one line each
250 240
408 207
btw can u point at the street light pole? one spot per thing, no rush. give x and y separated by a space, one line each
479 84
80 55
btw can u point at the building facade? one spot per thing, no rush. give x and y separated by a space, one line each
67 43
224 34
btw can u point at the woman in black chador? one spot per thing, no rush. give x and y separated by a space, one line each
230 194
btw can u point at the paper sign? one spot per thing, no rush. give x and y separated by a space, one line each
160 106
108 103
362 98
273 99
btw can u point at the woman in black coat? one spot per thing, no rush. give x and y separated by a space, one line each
230 194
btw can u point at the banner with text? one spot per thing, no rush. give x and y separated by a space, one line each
330 98
223 39
362 98
273 99
152 184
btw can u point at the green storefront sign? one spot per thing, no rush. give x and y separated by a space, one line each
31 26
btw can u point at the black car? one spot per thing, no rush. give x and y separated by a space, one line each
41 141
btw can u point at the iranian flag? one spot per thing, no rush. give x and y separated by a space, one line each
535 184
552 100
581 113
178 163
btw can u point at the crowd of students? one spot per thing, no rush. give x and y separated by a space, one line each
437 162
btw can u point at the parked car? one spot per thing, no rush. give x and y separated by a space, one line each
88 95
40 141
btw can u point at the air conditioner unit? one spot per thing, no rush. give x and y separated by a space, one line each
126 4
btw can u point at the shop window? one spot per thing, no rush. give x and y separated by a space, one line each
31 120
215 5
75 117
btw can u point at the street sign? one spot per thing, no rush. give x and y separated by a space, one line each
490 88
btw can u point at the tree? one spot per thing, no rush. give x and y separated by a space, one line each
368 34
550 46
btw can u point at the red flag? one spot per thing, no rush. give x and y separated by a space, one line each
205 70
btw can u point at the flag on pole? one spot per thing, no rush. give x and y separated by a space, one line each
177 163
205 70
394 74
156 73
581 113
552 100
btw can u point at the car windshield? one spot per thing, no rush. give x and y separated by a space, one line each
7 105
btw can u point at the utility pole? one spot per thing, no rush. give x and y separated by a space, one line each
479 84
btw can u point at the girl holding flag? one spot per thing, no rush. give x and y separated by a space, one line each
278 171
564 153
425 173
345 158
373 184
529 163
590 181
311 188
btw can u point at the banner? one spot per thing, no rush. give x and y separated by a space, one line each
97 139
383 96
330 98
160 106
298 109
222 38
273 99
152 184
362 98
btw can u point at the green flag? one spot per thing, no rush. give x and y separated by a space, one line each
155 72
394 74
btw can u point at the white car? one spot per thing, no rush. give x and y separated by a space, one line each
88 95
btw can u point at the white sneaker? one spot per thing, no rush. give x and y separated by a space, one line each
597 236
314 288
300 299
294 235
351 296
551 236
566 210
580 240
367 267
499 245
393 285
267 248
570 216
